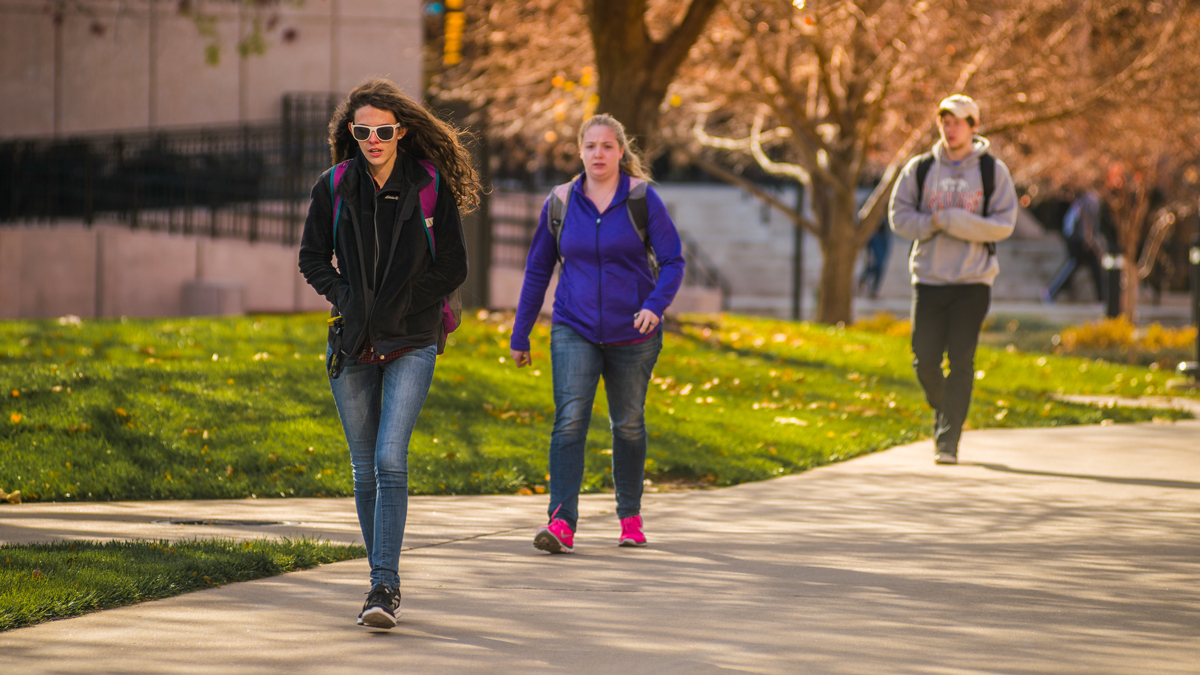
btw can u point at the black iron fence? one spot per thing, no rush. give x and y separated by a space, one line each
247 181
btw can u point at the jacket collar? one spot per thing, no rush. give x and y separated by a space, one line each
623 187
406 174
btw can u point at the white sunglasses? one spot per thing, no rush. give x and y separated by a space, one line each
384 132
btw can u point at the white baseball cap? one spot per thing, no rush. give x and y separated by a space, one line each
960 106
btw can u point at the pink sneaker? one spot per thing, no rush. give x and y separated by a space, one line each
631 532
556 537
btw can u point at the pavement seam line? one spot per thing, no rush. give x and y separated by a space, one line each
481 536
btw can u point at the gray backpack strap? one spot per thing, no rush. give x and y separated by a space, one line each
559 198
639 215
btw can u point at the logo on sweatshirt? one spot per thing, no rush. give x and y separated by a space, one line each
392 197
954 192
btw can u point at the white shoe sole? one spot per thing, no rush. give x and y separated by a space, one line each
630 542
377 618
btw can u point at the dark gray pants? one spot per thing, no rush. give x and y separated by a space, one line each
946 321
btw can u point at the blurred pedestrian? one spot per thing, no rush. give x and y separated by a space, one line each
1085 246
396 264
954 203
621 265
878 250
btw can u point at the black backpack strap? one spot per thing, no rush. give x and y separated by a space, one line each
987 172
923 167
924 164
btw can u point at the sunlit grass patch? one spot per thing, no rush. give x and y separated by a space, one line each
40 582
202 408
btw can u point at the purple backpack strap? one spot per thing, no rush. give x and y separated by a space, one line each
334 181
429 202
452 305
429 192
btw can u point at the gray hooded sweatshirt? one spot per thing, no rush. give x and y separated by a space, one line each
949 229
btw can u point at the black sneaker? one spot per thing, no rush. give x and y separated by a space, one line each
381 609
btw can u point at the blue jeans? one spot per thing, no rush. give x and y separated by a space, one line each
379 406
577 365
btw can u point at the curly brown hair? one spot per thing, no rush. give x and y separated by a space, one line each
427 137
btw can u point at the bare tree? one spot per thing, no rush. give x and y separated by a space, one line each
1138 146
834 94
634 68
540 68
838 95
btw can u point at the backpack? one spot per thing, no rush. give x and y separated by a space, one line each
452 306
635 205
987 171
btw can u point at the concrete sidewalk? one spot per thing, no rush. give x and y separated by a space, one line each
1071 550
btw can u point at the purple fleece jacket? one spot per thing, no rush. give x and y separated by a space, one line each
605 278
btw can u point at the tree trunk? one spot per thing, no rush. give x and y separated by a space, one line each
1130 282
634 71
626 94
836 222
835 298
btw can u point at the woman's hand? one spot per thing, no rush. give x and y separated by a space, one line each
521 358
645 321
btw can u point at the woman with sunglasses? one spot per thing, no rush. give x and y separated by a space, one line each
608 309
388 290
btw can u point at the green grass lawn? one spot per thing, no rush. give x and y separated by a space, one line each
238 407
40 582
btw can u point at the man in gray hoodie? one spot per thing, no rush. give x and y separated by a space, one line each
954 219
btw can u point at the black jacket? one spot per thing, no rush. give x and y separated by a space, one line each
406 308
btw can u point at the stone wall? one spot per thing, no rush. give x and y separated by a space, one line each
109 271
138 64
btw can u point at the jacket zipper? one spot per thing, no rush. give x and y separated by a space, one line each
599 280
375 269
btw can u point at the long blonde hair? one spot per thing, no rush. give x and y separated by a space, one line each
631 162
427 137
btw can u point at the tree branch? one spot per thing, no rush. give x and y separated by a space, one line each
728 176
1072 108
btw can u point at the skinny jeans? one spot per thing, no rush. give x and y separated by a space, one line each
379 405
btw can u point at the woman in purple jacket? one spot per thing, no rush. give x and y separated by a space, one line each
608 310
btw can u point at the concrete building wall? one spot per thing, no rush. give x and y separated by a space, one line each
52 254
10 274
142 273
129 64
108 271
266 272
47 272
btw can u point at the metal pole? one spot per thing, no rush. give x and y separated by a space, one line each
798 258
1194 258
1113 264
1192 368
